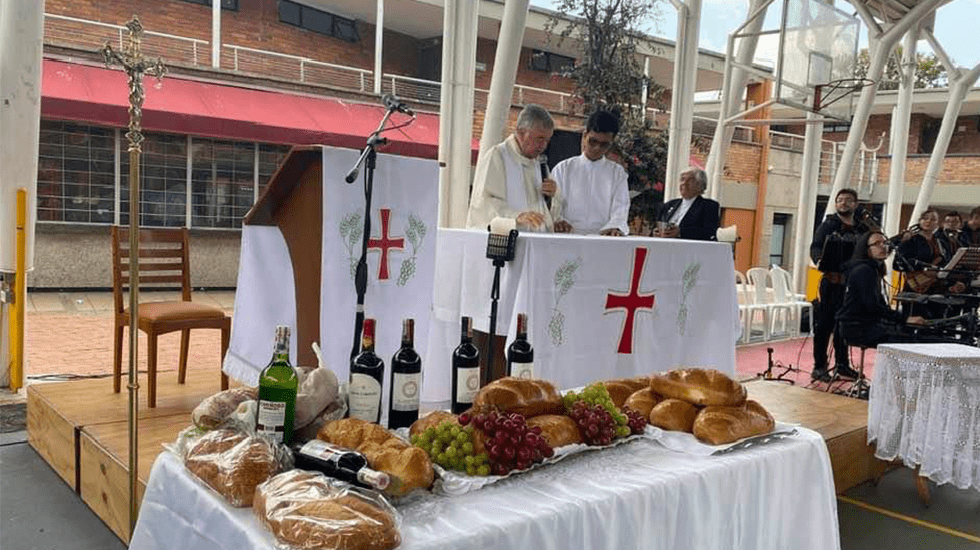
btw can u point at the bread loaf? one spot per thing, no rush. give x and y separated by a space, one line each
721 425
308 511
384 451
558 430
674 415
703 387
214 410
620 389
431 420
232 464
642 401
526 397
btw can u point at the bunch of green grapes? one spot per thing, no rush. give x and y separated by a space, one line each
451 446
596 394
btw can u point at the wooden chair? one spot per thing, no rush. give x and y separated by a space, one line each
164 260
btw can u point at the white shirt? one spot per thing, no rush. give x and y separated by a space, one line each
594 195
681 211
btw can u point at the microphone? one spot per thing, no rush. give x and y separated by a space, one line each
543 159
392 102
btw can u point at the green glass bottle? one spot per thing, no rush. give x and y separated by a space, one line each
278 384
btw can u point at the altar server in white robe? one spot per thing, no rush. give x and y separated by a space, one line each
593 189
508 182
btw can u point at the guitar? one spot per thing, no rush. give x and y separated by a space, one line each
921 281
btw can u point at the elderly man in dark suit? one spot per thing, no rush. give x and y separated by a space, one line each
691 216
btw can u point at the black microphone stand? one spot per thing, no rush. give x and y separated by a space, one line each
500 249
369 156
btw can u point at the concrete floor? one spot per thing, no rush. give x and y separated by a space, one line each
39 511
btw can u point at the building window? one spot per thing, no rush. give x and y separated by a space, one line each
551 62
318 21
839 127
777 247
222 182
75 173
230 5
270 157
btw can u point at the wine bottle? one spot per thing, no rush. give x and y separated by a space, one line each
278 384
338 462
466 369
520 354
406 381
366 377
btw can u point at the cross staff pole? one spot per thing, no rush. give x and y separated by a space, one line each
136 66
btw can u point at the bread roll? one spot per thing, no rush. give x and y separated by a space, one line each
674 415
526 397
721 425
558 430
703 387
308 511
620 389
214 410
642 401
384 451
232 464
431 420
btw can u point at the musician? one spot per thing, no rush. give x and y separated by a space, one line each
865 318
970 234
831 247
950 233
920 254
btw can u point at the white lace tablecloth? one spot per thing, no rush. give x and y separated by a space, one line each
637 495
925 410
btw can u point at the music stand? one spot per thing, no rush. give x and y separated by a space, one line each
500 249
965 259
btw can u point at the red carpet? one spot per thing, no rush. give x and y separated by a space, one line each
753 360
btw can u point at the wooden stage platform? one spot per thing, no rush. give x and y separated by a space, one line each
80 429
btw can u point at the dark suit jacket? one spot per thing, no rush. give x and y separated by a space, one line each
701 221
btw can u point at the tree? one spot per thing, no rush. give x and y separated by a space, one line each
608 75
929 70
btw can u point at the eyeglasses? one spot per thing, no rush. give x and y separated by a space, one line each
879 243
598 143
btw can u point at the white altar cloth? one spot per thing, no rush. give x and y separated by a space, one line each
637 495
580 293
925 409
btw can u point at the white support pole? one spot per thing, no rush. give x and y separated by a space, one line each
807 200
379 31
859 124
901 116
957 92
732 94
504 72
215 33
682 94
646 86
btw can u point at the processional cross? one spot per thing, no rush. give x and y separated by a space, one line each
136 66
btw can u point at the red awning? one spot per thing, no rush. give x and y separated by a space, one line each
99 96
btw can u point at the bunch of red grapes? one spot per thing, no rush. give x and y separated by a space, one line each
597 426
510 443
635 421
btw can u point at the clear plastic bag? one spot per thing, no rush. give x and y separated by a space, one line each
231 462
213 411
308 510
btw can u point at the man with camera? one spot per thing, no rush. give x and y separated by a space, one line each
832 245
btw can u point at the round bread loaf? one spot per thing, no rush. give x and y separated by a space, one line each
232 464
674 415
526 397
620 389
557 429
722 425
432 420
642 401
702 387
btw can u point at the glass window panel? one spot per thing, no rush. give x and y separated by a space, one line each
270 158
345 29
74 177
163 181
289 12
318 21
222 181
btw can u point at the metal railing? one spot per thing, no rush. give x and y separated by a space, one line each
92 35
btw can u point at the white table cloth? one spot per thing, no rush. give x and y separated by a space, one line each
637 495
598 307
925 410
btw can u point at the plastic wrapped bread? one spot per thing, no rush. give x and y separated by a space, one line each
233 463
213 411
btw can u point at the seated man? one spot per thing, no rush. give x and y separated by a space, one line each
691 216
595 197
508 182
970 234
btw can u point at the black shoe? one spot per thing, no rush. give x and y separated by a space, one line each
820 375
843 371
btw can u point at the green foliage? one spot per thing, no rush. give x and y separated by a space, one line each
929 70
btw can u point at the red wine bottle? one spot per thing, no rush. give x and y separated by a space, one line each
406 381
466 369
338 462
520 354
366 378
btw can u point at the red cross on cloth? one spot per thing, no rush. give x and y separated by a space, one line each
384 244
632 302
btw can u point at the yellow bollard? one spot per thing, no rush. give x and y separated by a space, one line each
20 296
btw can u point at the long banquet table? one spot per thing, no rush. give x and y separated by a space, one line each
636 495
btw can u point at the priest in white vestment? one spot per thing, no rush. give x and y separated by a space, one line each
508 182
594 196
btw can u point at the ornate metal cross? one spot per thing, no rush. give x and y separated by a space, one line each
132 61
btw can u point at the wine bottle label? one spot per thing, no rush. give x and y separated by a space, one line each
271 419
467 384
522 370
319 449
405 396
364 397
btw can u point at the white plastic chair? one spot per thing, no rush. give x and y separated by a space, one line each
747 308
789 302
758 279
